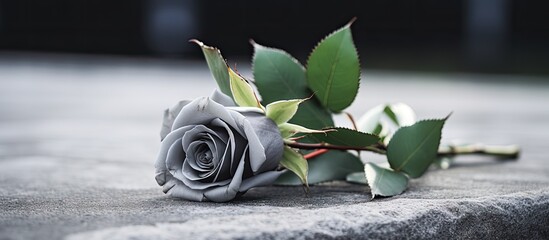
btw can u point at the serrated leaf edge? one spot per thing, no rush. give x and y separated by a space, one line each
253 43
307 130
202 45
348 25
304 180
399 168
242 78
267 108
375 193
259 46
346 128
207 47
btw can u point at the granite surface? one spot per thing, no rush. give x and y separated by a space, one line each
79 135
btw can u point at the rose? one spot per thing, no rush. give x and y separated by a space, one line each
213 151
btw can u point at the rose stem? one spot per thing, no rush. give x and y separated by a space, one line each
352 119
502 152
333 147
316 153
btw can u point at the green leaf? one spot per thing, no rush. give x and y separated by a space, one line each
218 66
295 162
312 115
333 70
389 113
412 149
347 137
243 93
383 181
403 114
288 130
398 113
282 111
333 165
357 177
383 118
279 76
369 122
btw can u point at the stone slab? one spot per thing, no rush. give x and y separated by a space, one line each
79 135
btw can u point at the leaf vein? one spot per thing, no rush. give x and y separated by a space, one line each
291 90
332 72
423 142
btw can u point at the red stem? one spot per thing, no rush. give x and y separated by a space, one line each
315 153
299 145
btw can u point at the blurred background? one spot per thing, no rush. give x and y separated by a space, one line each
83 84
493 36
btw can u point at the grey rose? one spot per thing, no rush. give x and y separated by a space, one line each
214 151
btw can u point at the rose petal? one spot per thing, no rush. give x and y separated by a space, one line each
195 184
222 99
203 135
160 163
169 117
238 144
161 178
220 167
198 132
191 156
219 173
194 149
203 111
263 179
266 144
211 171
174 160
225 169
177 189
218 146
205 155
227 193
191 174
205 177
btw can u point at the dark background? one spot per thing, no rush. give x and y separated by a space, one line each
496 36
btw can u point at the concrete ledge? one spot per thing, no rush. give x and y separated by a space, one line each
78 139
514 216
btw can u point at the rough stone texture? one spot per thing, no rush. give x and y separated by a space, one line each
78 139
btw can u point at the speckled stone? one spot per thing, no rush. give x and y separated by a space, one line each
79 135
